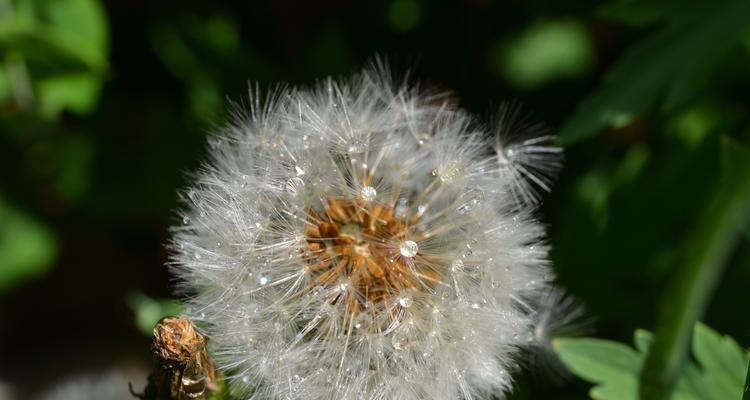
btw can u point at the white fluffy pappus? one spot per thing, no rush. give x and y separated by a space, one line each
365 240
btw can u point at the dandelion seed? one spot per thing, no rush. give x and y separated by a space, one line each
380 248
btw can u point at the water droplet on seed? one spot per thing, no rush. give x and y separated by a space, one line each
450 172
362 321
408 248
470 201
294 185
368 193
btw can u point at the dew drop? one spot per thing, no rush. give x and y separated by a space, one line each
197 255
186 221
450 172
470 201
405 301
294 185
401 207
368 193
408 248
362 321
357 145
399 340
264 279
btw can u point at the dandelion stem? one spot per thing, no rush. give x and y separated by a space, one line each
746 393
709 247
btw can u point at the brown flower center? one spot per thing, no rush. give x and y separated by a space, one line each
367 245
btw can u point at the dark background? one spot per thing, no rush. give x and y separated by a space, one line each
94 150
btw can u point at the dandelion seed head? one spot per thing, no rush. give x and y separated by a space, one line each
373 246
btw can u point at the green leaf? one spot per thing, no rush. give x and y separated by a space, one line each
655 74
722 361
599 361
625 388
614 368
28 249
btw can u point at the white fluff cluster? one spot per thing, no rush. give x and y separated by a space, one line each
365 240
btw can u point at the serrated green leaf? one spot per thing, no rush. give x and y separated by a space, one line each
598 360
721 359
655 74
615 367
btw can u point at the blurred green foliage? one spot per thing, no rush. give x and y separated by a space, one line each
149 311
665 70
545 52
27 248
105 104
710 244
55 54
